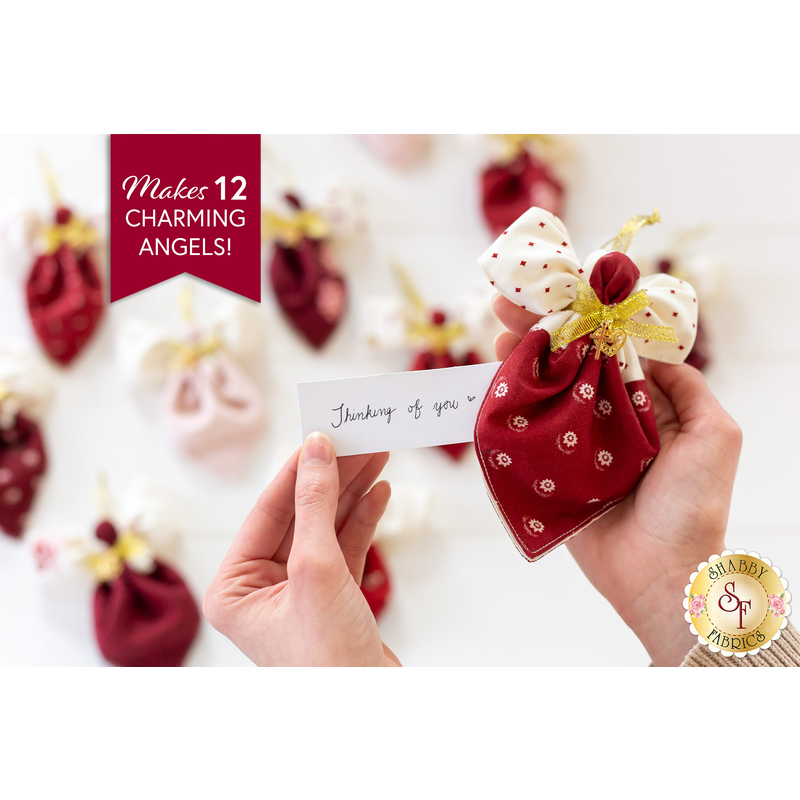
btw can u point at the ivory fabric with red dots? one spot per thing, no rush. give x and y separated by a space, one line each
563 437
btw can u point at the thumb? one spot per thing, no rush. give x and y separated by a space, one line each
314 545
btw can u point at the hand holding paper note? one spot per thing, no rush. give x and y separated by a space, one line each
396 411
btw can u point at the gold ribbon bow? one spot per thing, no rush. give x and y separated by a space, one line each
610 326
420 329
187 354
76 233
291 229
108 565
515 144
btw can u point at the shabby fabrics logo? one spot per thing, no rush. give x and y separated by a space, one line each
737 603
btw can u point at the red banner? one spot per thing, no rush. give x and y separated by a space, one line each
185 204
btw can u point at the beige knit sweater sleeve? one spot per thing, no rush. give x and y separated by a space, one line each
784 652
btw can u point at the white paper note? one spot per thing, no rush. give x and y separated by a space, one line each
396 411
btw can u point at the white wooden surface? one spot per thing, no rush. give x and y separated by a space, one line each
463 596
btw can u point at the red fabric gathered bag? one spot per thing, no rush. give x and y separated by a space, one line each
303 272
510 187
144 614
438 333
65 297
22 462
567 427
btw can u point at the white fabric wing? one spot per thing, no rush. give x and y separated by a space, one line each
145 508
144 350
533 265
239 325
27 376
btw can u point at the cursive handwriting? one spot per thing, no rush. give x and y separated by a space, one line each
346 415
446 405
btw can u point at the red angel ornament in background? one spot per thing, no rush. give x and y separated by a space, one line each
25 389
303 271
144 613
441 339
63 289
212 409
687 260
567 427
517 180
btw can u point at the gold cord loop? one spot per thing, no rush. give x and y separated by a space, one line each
623 239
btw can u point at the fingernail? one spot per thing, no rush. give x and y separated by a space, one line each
317 450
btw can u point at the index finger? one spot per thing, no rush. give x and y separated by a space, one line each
268 522
518 320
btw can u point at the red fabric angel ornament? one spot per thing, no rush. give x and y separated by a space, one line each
517 180
567 428
441 341
303 271
63 289
25 389
686 258
144 613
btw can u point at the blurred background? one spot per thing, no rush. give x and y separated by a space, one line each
461 596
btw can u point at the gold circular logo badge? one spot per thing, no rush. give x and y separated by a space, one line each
737 603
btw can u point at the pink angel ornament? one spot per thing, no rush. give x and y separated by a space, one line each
211 407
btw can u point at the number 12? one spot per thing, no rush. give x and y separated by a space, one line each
238 179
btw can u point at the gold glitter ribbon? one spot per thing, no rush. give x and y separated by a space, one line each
623 239
187 354
596 317
108 565
291 229
419 327
76 233
515 144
